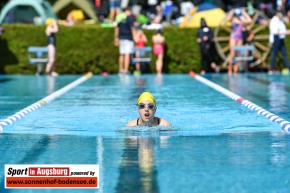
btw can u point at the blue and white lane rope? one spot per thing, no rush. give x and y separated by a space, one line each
38 104
283 123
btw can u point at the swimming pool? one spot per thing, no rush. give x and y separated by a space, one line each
215 144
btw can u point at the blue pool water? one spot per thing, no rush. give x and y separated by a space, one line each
215 144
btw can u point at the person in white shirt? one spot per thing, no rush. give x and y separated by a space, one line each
278 32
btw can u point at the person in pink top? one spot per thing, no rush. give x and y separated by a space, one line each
158 49
238 17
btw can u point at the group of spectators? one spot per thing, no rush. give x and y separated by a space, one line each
172 11
241 34
270 7
129 34
163 12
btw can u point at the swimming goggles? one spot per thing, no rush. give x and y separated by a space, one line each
142 106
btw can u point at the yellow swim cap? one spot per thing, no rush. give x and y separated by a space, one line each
49 21
146 96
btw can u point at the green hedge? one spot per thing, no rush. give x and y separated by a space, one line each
90 48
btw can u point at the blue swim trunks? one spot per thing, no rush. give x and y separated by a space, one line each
115 4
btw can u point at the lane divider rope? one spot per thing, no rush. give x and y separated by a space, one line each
272 117
20 114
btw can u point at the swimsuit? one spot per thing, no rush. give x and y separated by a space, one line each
141 43
237 31
158 48
51 39
158 121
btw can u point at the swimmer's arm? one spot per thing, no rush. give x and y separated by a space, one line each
132 123
134 34
230 15
248 19
251 36
163 39
164 122
53 28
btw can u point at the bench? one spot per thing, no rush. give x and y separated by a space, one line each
245 54
242 50
38 55
145 55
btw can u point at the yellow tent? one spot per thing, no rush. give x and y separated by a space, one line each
213 17
78 8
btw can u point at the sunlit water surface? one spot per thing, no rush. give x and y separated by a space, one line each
215 144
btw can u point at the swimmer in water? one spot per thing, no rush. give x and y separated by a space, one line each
147 108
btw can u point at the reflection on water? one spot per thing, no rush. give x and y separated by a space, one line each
50 84
4 79
192 163
124 79
158 79
277 97
137 172
233 155
278 150
218 163
242 145
235 83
